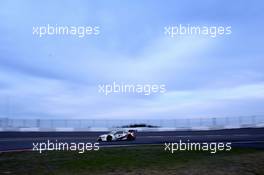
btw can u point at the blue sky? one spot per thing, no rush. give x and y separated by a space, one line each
58 77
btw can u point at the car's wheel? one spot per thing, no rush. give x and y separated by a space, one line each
109 138
130 137
99 140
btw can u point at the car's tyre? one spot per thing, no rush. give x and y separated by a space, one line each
130 137
99 140
109 138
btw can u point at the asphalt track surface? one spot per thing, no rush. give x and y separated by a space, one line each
246 137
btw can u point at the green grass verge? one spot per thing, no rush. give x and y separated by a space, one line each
134 160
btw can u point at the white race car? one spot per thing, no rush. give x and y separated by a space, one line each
117 135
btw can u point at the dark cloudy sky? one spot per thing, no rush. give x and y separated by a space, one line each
58 76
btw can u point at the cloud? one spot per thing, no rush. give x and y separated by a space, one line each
58 76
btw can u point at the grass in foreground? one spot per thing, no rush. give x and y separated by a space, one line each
134 160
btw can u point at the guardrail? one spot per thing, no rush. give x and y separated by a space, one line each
7 124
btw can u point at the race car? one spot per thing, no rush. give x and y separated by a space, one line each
117 135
